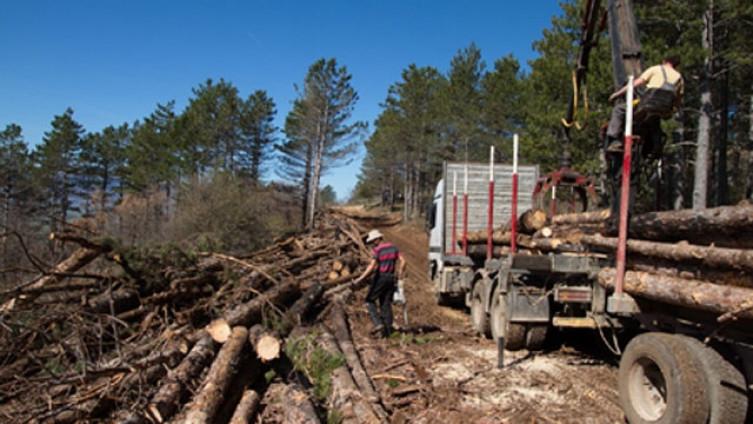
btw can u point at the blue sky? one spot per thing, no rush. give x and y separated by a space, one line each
112 61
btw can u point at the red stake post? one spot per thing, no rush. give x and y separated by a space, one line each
514 207
625 192
490 207
465 212
454 212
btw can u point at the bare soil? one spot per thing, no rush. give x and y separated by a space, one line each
436 370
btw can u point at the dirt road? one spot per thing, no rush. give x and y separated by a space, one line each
450 375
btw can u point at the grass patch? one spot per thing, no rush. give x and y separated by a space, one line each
316 363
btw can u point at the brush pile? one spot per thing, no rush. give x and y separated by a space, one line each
701 260
157 335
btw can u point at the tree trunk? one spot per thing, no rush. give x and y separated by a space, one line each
166 401
531 221
730 226
246 408
207 401
77 260
715 257
250 312
345 341
684 292
721 177
749 189
345 397
700 182
286 403
581 217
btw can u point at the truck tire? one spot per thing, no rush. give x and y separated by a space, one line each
514 333
536 336
727 390
478 314
661 381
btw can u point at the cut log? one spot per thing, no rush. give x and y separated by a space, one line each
77 260
345 396
715 257
250 312
286 403
345 272
120 300
697 294
220 330
337 265
246 408
166 401
341 330
203 408
294 316
333 275
729 226
581 217
531 221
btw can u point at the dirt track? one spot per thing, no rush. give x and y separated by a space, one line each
451 376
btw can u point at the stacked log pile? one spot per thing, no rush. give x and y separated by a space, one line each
695 259
163 335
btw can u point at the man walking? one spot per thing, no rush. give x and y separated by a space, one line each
388 267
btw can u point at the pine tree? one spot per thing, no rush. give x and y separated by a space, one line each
58 170
258 133
153 155
321 120
103 161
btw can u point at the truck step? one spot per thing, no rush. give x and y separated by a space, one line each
574 322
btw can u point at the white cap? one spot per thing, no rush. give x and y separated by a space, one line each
373 235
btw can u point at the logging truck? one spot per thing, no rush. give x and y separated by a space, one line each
679 318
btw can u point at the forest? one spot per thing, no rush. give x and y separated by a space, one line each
430 116
219 174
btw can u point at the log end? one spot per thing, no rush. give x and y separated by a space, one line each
220 330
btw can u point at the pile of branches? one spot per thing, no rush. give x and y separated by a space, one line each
160 334
696 259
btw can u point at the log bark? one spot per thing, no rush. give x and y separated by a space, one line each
166 401
715 257
120 300
345 396
285 403
246 408
250 312
591 217
531 221
77 260
697 294
203 408
729 226
341 330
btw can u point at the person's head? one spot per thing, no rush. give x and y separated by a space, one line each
672 60
374 237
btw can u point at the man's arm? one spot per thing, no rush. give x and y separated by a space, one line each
369 269
400 267
637 83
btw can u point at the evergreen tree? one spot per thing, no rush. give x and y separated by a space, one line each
325 107
103 160
58 170
153 156
258 132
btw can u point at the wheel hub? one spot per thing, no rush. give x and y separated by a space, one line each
648 389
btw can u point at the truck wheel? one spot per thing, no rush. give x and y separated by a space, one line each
514 333
727 390
536 336
478 315
661 381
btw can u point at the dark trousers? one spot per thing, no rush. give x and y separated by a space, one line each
654 102
381 291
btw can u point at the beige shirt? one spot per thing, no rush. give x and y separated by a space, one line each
654 78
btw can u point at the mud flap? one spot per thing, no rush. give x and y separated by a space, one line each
528 304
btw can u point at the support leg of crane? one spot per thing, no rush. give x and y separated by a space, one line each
501 352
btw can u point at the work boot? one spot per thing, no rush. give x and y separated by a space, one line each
387 331
377 330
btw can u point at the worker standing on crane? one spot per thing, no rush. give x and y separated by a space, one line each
660 90
662 95
388 267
